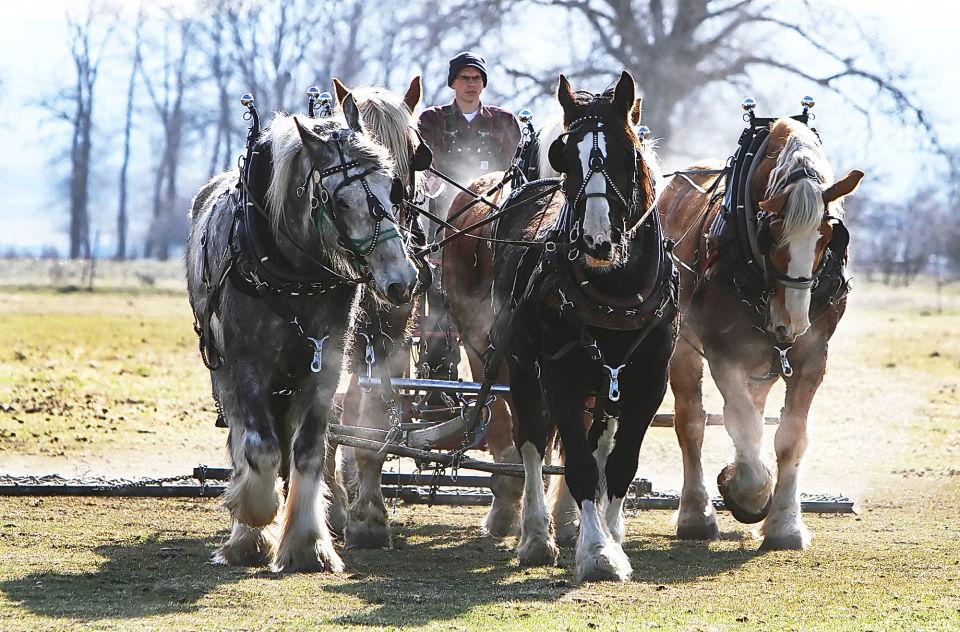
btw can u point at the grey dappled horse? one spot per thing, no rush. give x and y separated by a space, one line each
275 258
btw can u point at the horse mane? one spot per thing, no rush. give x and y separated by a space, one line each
290 167
390 122
803 210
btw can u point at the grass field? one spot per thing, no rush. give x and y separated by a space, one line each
109 382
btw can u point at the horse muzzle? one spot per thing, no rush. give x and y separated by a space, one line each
600 251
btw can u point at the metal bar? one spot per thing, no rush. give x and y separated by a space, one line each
665 420
507 469
124 491
431 385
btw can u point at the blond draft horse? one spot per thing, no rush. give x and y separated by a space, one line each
467 264
389 117
799 231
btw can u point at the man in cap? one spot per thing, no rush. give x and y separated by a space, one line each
468 139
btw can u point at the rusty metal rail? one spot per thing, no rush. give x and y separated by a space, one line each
412 488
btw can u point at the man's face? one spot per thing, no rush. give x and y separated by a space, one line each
468 84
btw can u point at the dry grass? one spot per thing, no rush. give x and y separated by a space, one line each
97 380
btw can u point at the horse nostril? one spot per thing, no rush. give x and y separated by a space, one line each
589 240
397 292
781 331
604 248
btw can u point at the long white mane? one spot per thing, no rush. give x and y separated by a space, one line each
291 169
391 123
803 210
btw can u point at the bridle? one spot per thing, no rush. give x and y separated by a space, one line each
765 240
324 208
591 123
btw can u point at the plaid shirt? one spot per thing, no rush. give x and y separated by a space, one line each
464 150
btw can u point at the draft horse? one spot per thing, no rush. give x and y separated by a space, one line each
275 257
467 264
383 333
585 306
762 291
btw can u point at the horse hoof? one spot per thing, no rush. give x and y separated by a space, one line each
308 559
367 537
538 553
244 556
609 565
791 542
738 511
702 531
502 522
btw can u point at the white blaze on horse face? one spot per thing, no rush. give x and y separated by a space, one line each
596 211
790 307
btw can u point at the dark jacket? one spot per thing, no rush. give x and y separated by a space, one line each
465 150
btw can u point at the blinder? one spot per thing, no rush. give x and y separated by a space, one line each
396 192
422 156
555 155
841 237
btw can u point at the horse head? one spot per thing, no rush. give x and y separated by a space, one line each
799 220
330 189
599 153
390 120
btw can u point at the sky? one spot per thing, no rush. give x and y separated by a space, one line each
922 36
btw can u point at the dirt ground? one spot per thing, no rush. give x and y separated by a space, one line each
893 372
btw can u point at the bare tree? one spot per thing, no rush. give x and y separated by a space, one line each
127 132
167 92
677 49
86 50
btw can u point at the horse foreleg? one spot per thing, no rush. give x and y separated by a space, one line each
537 546
305 541
253 495
746 484
503 519
598 555
784 527
367 525
648 386
696 517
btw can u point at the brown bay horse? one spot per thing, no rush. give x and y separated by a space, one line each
584 303
762 291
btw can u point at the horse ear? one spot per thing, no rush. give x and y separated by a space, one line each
635 112
845 186
775 204
311 142
412 98
565 94
623 94
340 89
352 113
